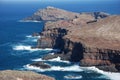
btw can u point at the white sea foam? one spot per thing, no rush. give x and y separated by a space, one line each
30 36
74 68
30 40
111 75
28 21
27 47
55 59
22 47
38 59
58 59
73 77
51 53
34 40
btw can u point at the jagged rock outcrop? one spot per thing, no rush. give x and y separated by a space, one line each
40 64
93 39
35 34
22 75
97 15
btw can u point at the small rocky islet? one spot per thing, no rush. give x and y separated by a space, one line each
90 38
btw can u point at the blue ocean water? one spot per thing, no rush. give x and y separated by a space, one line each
16 40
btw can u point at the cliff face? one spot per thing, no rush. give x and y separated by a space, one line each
94 44
22 75
93 39
100 42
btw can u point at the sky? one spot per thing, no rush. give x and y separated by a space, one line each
99 5
54 0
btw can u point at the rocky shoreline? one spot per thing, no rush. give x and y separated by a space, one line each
93 39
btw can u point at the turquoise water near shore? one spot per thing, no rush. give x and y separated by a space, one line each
16 41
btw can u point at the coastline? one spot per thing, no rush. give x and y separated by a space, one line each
85 47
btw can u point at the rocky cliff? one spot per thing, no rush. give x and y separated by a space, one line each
93 39
96 44
22 75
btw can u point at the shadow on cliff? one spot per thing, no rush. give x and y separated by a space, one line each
115 59
59 42
77 52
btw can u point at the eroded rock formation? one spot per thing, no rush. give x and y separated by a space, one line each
41 65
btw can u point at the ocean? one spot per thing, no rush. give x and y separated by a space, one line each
16 40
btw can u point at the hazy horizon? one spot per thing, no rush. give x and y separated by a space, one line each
59 1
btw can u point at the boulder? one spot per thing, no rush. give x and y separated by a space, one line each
35 34
41 65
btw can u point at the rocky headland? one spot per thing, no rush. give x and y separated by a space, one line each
93 39
22 75
54 14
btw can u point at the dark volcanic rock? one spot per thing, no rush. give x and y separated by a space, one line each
35 34
40 64
61 55
98 15
22 75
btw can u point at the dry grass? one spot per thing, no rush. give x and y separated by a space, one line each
22 75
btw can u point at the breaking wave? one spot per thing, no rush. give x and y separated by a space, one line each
72 76
58 59
30 36
110 75
28 48
74 68
29 21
